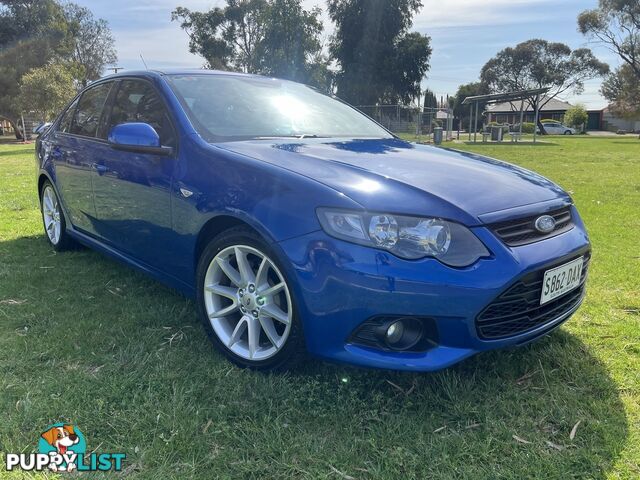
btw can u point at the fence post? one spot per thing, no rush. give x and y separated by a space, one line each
475 126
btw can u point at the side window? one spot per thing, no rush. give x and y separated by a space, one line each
65 122
137 101
87 117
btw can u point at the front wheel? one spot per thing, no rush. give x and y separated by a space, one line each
568 132
245 301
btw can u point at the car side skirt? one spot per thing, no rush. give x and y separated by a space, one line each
166 279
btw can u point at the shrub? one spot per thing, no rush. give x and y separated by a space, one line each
527 127
576 116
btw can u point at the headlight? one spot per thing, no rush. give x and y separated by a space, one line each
407 237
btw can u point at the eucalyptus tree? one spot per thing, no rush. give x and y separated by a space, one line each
538 63
379 60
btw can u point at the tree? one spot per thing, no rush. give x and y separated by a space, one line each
538 63
271 37
291 41
46 90
460 111
93 43
379 61
622 89
36 33
32 32
576 116
430 100
616 24
227 38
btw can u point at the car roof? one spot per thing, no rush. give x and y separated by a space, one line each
176 71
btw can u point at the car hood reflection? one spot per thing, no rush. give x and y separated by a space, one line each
368 170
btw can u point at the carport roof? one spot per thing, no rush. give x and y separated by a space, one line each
550 105
506 97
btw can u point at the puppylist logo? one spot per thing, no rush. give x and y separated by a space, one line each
62 448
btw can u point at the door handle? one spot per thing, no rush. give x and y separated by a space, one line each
101 169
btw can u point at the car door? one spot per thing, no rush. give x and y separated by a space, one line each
132 190
74 146
552 128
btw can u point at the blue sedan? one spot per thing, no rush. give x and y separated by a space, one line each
298 223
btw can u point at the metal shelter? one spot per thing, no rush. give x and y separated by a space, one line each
521 95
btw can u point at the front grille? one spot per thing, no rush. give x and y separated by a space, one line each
518 309
523 231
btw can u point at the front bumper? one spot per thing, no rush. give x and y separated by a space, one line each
339 285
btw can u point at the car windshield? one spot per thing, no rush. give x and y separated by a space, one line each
231 107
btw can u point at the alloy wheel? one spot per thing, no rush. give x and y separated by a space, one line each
51 214
248 302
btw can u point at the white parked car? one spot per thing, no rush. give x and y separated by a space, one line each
556 128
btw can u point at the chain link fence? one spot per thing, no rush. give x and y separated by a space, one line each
412 123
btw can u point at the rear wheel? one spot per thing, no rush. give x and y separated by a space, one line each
53 220
245 301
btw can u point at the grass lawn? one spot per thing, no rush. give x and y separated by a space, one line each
86 340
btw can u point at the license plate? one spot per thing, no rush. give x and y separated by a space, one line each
561 280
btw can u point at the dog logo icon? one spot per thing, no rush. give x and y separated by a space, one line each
62 448
63 442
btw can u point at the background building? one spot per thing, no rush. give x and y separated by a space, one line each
553 110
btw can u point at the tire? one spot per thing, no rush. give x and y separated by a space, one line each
53 221
568 132
232 308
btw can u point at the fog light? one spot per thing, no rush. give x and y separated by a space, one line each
395 332
403 334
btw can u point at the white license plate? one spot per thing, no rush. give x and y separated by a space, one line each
561 280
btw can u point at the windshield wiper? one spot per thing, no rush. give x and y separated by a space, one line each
300 137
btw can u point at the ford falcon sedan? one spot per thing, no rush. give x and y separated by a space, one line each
298 223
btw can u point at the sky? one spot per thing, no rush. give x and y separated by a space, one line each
464 35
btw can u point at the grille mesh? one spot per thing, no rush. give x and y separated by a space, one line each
523 231
518 309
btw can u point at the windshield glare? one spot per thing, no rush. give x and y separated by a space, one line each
227 107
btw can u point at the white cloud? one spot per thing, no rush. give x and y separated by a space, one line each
461 13
161 47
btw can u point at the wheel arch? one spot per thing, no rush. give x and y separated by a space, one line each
43 177
218 224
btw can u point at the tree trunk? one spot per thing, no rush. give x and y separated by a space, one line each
16 130
541 126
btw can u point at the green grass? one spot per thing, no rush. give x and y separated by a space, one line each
86 340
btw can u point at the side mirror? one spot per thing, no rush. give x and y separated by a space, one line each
138 138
